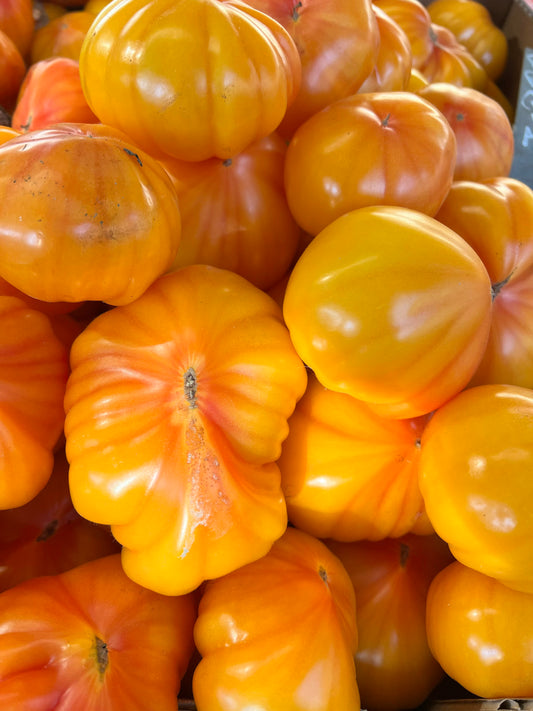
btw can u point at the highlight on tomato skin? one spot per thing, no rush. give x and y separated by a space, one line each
385 323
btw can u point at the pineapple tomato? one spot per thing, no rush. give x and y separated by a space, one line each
411 356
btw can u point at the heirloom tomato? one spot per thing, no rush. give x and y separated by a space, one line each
92 639
475 477
394 60
472 25
480 631
375 306
496 218
177 405
100 218
33 374
380 148
337 41
12 71
193 79
451 62
484 134
234 212
279 633
348 473
414 19
16 20
46 536
395 668
62 36
51 93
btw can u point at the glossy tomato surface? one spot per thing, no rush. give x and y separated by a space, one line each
348 473
483 131
475 477
496 218
194 79
92 639
376 148
177 406
394 665
33 375
375 307
489 652
101 218
51 93
279 633
337 42
234 212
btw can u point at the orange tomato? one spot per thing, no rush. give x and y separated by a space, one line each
394 60
496 217
92 639
394 665
12 71
349 474
177 405
414 19
103 233
206 79
286 625
51 93
62 36
234 213
484 134
488 652
33 375
451 62
381 148
472 25
16 20
337 42
475 477
375 307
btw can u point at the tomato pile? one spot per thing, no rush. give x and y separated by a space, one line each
266 357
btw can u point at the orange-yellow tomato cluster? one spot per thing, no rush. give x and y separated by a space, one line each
266 382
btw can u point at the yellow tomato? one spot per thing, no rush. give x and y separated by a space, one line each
480 632
475 477
375 306
193 79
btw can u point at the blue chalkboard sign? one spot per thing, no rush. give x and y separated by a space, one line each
522 168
